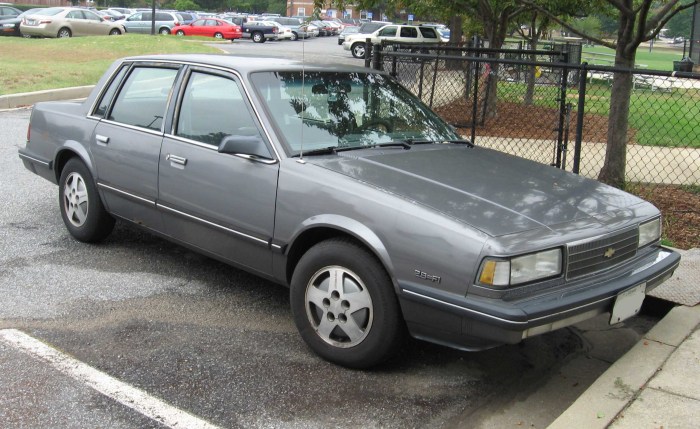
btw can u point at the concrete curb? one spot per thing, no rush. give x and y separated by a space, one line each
622 383
23 99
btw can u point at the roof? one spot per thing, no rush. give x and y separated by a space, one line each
251 64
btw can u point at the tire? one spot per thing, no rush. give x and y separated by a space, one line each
164 31
358 50
294 37
218 36
180 33
64 32
258 37
81 207
344 305
115 32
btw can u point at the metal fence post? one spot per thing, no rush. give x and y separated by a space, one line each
368 52
581 108
475 108
561 145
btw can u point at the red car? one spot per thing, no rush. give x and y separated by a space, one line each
209 27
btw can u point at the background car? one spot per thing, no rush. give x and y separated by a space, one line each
346 31
140 22
283 32
209 27
68 22
299 29
10 26
400 34
7 12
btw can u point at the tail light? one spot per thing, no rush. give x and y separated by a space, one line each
177 23
45 21
274 29
29 132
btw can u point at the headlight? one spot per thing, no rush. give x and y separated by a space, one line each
649 232
520 269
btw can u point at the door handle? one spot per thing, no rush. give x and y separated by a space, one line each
176 159
102 139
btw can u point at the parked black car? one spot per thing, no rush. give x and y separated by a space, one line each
10 26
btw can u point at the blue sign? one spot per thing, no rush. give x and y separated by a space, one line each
369 15
410 17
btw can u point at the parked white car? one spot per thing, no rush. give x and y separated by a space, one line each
283 32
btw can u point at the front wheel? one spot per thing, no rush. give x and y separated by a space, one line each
115 32
81 208
358 50
180 33
344 305
218 36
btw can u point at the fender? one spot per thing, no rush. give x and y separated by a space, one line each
76 148
350 227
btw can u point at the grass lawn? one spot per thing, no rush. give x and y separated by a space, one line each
658 118
36 64
660 58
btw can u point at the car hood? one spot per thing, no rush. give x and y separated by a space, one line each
496 193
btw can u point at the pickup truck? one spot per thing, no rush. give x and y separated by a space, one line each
258 31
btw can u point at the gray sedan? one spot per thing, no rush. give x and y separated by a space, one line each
341 185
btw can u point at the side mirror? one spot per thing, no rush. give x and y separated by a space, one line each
244 145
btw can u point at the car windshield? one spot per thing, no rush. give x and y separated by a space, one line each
322 110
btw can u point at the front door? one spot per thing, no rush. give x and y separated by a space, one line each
219 202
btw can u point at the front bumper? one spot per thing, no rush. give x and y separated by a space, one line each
476 323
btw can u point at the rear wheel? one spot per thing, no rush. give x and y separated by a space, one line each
344 305
358 50
164 30
295 36
115 32
258 37
81 208
218 36
64 32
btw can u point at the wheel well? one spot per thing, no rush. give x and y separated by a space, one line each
61 160
310 238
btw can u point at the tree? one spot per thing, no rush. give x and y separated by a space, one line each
679 25
638 21
185 5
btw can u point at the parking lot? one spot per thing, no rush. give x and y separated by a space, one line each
137 332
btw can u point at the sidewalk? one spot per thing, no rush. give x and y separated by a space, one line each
657 383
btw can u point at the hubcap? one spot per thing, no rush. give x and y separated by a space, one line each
75 199
339 307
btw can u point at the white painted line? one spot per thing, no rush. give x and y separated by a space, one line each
121 392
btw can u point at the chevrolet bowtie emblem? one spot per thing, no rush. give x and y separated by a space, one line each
609 253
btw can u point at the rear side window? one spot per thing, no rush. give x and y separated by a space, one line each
160 16
409 32
428 33
144 97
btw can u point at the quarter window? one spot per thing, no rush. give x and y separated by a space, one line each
109 94
144 97
428 33
213 108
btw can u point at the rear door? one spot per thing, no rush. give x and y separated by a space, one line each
127 140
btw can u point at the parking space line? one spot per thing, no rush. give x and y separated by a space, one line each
119 391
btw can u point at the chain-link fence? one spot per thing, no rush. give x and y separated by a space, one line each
546 106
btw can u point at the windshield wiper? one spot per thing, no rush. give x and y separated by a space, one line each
464 142
330 150
401 144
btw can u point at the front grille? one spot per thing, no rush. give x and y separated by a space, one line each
602 253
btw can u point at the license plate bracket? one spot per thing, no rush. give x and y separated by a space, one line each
628 303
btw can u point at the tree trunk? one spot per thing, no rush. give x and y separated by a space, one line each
530 76
613 171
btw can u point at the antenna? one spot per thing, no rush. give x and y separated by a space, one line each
303 104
